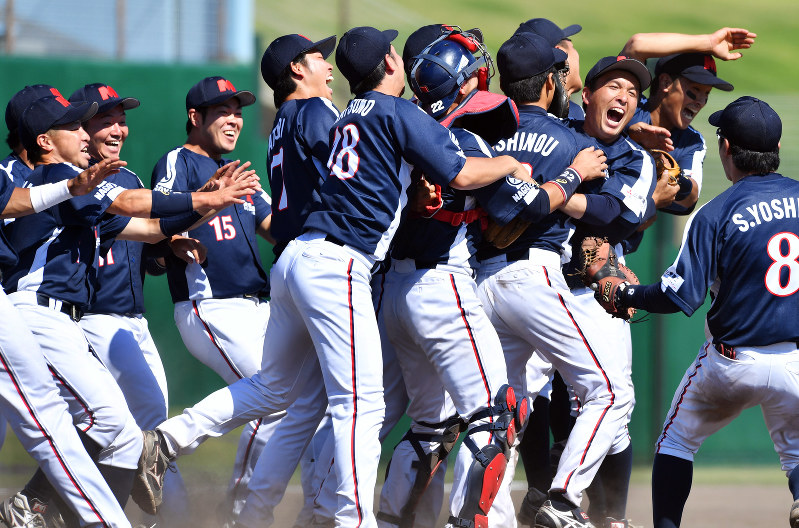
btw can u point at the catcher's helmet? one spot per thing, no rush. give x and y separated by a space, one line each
440 70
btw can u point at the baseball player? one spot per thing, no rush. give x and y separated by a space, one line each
432 313
560 38
321 282
219 310
16 165
114 324
680 89
532 264
53 281
296 69
29 398
745 360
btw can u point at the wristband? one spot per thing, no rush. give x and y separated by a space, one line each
50 194
170 204
172 225
567 182
686 186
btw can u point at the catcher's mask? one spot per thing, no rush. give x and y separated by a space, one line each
560 102
443 66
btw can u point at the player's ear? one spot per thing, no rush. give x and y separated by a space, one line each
664 82
297 70
586 94
45 142
194 117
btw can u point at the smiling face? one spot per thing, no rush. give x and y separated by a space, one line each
318 74
218 130
107 133
682 100
610 105
67 144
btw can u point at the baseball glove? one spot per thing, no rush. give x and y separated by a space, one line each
601 271
503 236
666 166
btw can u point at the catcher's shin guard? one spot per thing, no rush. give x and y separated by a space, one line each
427 466
488 467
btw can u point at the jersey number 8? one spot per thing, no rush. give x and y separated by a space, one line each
789 260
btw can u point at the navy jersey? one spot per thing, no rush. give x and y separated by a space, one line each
546 145
630 179
295 163
576 111
233 264
120 269
374 145
8 257
743 245
430 240
15 169
689 145
57 247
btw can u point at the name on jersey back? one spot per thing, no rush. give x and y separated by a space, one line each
529 141
762 212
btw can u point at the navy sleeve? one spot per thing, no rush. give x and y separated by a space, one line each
6 189
650 298
687 280
427 144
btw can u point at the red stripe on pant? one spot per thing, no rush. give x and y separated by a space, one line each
601 370
51 443
354 391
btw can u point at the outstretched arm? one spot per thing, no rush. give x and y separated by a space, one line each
722 44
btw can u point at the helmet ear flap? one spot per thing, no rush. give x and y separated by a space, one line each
483 78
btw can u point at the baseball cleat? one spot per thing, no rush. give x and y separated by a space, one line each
148 485
530 504
794 516
16 512
550 517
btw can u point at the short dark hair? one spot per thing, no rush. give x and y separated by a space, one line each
285 84
527 90
35 154
371 81
12 139
203 110
655 86
754 162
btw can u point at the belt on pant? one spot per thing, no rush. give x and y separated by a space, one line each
72 310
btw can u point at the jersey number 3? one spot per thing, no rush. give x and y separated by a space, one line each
774 284
348 137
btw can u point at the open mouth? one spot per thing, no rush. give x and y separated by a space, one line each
230 133
114 143
85 150
689 113
615 115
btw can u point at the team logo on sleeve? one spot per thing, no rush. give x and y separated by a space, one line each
672 279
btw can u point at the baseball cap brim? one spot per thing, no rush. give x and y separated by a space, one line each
245 98
637 68
127 103
700 75
572 30
324 46
81 111
715 118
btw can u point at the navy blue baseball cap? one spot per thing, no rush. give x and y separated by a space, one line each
22 99
749 123
548 29
361 50
105 97
607 64
696 67
283 50
418 41
215 90
48 112
525 55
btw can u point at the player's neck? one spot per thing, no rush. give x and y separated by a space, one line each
199 149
